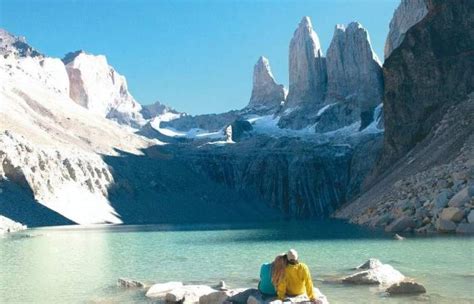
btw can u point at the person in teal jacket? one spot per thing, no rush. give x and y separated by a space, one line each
270 276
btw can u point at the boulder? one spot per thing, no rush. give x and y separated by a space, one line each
460 198
401 224
188 294
381 275
465 228
445 226
442 199
470 217
398 237
161 289
219 297
452 214
128 283
406 288
370 264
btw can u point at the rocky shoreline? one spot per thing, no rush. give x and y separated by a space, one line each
371 273
9 226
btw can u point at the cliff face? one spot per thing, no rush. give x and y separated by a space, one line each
429 72
299 178
98 87
408 13
424 181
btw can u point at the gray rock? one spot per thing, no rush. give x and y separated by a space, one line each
398 237
188 294
465 228
128 283
452 214
401 224
370 264
460 198
161 289
406 288
337 115
442 199
445 226
307 67
221 296
383 275
470 217
266 93
354 71
408 13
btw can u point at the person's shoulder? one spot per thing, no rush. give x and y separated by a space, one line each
303 266
266 265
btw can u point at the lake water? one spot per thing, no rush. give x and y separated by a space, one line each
77 265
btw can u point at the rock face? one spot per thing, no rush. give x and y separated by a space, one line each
408 13
427 160
16 46
76 182
98 87
307 67
267 95
158 109
418 90
354 71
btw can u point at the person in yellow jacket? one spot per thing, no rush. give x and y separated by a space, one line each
297 280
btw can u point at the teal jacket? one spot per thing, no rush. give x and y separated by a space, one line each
265 286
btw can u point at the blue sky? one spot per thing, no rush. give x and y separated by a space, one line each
196 56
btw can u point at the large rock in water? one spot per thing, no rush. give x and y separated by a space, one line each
354 71
307 67
428 73
267 95
375 273
408 13
161 289
406 288
98 87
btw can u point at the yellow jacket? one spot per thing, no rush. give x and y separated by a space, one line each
297 281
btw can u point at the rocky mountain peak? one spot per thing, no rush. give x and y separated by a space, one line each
354 71
97 86
266 93
307 67
72 55
16 45
408 13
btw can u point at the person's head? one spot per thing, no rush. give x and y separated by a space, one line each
278 268
292 256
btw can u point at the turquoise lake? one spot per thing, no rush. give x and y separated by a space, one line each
82 265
